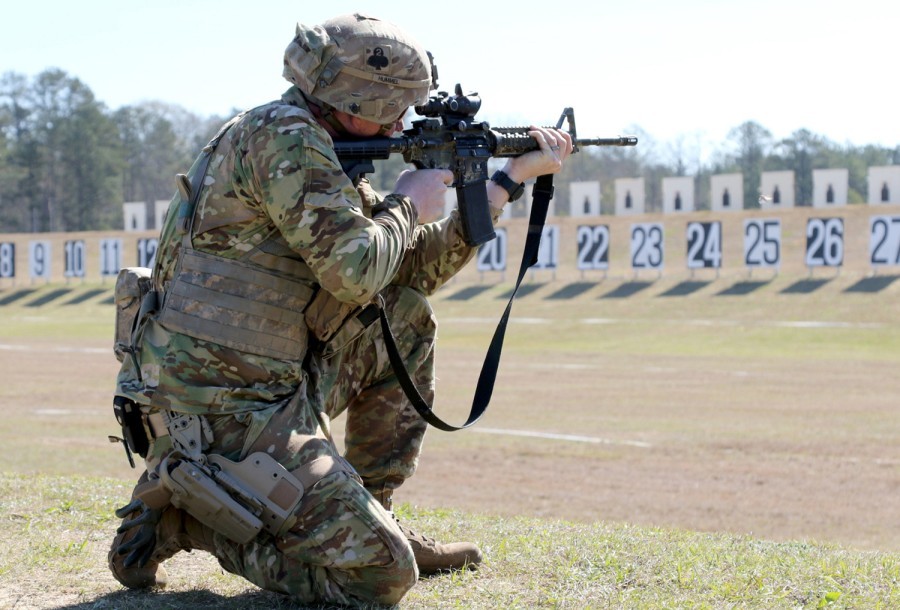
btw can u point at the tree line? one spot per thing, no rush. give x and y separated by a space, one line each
68 162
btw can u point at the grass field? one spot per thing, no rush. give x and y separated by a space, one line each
670 448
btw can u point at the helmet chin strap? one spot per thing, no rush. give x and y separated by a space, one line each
326 113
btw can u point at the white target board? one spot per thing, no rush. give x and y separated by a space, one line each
678 194
884 241
146 252
74 264
39 253
884 184
630 196
726 192
776 190
7 260
160 209
647 246
762 243
584 198
704 245
593 247
830 187
492 254
824 242
135 215
548 253
110 256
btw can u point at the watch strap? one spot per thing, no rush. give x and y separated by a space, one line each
515 189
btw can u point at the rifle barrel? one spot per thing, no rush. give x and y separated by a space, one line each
620 141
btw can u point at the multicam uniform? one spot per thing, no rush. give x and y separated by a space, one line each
275 198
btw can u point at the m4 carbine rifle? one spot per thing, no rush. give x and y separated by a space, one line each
449 138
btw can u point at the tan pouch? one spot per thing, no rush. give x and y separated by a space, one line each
132 284
337 324
238 305
325 315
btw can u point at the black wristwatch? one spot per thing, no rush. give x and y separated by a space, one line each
515 189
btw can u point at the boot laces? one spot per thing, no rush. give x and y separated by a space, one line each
411 535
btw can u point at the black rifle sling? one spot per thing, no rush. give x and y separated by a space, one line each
542 193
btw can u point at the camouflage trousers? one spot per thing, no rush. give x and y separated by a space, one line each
383 432
345 547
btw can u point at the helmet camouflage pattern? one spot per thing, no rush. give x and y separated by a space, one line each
360 65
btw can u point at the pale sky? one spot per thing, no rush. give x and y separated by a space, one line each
685 70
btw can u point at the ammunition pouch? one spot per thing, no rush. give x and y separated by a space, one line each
239 305
335 324
132 286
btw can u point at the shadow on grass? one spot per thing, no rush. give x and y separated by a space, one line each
626 290
16 296
742 288
572 290
524 291
469 292
49 297
85 296
684 289
872 284
804 286
185 600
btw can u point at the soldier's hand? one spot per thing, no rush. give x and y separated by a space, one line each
141 545
427 189
555 146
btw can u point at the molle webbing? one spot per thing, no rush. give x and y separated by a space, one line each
239 305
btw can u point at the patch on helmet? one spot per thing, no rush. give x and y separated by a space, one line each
378 58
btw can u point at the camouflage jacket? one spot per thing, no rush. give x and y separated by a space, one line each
274 180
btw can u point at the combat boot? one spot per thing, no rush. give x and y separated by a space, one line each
176 531
433 557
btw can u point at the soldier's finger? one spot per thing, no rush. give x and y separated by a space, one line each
129 508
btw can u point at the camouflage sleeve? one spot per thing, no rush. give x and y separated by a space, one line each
438 252
318 211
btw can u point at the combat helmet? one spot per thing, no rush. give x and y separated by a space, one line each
359 65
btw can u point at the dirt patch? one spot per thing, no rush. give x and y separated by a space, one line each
779 449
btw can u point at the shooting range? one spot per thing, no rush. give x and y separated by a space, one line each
830 187
678 194
630 196
777 190
584 198
884 185
726 192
